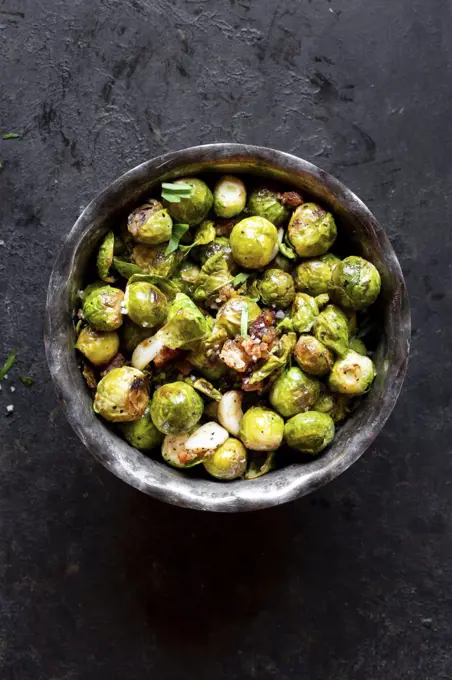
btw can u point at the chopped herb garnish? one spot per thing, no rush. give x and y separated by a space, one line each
176 235
10 135
174 192
9 363
28 382
239 279
244 322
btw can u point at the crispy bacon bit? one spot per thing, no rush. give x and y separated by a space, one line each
89 375
234 356
184 367
291 199
225 294
117 362
223 227
255 348
264 328
166 354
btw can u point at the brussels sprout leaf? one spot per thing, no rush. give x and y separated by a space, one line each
239 279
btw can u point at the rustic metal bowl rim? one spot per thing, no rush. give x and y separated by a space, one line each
164 483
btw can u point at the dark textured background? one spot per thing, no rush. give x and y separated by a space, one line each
99 582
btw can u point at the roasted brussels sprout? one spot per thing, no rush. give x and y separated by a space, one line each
294 392
122 395
193 209
353 374
313 276
204 355
276 288
218 245
105 257
187 277
261 429
304 313
264 202
142 434
175 453
331 328
254 242
312 355
312 231
355 283
322 300
336 405
230 314
99 347
282 262
309 432
145 304
132 334
150 223
357 345
228 461
152 259
229 196
176 407
102 308
213 277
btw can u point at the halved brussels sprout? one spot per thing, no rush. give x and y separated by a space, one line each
153 260
264 202
229 196
313 276
228 461
353 374
193 209
142 434
105 257
254 242
309 432
312 231
122 395
261 429
355 283
312 355
276 288
294 392
150 223
176 408
230 314
304 313
331 328
145 304
102 308
99 347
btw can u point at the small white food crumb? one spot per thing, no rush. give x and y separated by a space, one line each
280 314
12 388
10 408
2 243
5 377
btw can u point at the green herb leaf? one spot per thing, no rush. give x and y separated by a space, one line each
239 279
174 192
126 269
171 198
28 382
204 234
176 235
9 363
10 135
244 322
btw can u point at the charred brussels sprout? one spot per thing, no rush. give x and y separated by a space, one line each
218 245
294 392
331 328
228 461
97 346
230 314
304 313
193 209
261 429
102 308
187 277
229 196
122 395
309 432
276 288
353 374
142 434
176 408
336 405
105 257
264 202
254 242
312 231
145 304
150 223
152 259
355 283
313 276
312 355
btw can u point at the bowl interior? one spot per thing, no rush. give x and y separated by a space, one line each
357 228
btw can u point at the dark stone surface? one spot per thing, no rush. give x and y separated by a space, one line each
99 581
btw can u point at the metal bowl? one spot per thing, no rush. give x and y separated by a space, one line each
364 236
